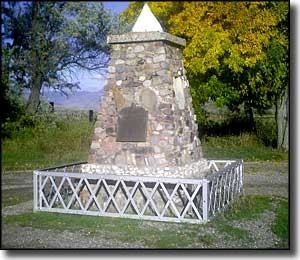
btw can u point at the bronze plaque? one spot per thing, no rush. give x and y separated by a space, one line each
132 124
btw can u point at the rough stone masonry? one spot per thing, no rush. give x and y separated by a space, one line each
146 123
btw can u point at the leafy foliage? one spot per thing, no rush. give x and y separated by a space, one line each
236 52
45 139
50 41
11 103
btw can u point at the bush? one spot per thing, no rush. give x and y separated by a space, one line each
52 139
235 124
266 130
231 125
12 128
26 123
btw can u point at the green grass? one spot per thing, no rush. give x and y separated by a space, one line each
245 146
281 225
244 208
165 235
63 141
148 233
231 232
15 196
248 207
55 140
126 230
207 239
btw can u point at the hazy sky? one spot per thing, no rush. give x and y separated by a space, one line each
115 6
94 81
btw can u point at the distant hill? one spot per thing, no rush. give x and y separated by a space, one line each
81 100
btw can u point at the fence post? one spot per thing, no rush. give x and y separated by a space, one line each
52 106
91 115
39 185
35 191
205 200
241 172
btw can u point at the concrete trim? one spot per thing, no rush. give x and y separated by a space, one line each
132 37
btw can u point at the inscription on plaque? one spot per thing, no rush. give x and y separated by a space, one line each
132 124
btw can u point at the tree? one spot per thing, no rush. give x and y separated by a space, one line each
52 40
10 105
229 49
275 72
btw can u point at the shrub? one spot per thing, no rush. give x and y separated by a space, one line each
46 139
12 128
266 130
226 126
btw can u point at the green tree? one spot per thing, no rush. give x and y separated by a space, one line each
10 103
52 40
231 49
275 72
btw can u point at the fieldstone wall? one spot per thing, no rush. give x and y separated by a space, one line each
146 117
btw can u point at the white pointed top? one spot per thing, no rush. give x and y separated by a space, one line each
147 22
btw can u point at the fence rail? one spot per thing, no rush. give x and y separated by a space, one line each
66 189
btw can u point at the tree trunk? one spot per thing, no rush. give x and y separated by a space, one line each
36 74
282 119
250 117
34 97
35 84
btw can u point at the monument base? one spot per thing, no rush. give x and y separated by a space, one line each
195 170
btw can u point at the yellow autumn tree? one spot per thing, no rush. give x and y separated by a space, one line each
229 45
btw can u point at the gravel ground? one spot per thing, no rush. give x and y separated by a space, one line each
27 237
260 179
260 230
21 208
269 179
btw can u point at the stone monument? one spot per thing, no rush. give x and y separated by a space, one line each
146 124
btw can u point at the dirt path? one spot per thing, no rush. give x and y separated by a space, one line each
260 179
269 179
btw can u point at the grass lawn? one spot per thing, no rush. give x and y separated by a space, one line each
168 235
245 146
15 196
68 140
64 141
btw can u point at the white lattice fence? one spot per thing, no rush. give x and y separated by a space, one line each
223 186
67 190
